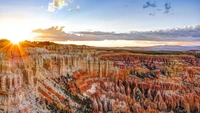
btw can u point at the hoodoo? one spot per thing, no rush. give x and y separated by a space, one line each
68 78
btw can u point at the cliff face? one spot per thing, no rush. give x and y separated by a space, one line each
69 78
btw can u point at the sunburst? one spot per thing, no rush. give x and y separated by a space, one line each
15 49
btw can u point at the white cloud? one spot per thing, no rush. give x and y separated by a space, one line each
71 1
40 7
51 7
59 4
78 7
56 4
70 10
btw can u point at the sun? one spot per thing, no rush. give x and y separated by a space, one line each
15 41
16 32
16 36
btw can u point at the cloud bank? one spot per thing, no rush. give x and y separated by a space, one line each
57 34
188 33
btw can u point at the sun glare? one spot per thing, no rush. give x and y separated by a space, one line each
17 36
16 31
15 41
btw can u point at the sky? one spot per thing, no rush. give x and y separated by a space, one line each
102 22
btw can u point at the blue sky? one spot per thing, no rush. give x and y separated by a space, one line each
120 16
109 15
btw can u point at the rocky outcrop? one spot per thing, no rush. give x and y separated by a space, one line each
47 77
11 94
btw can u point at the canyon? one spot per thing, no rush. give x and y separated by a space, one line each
44 77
